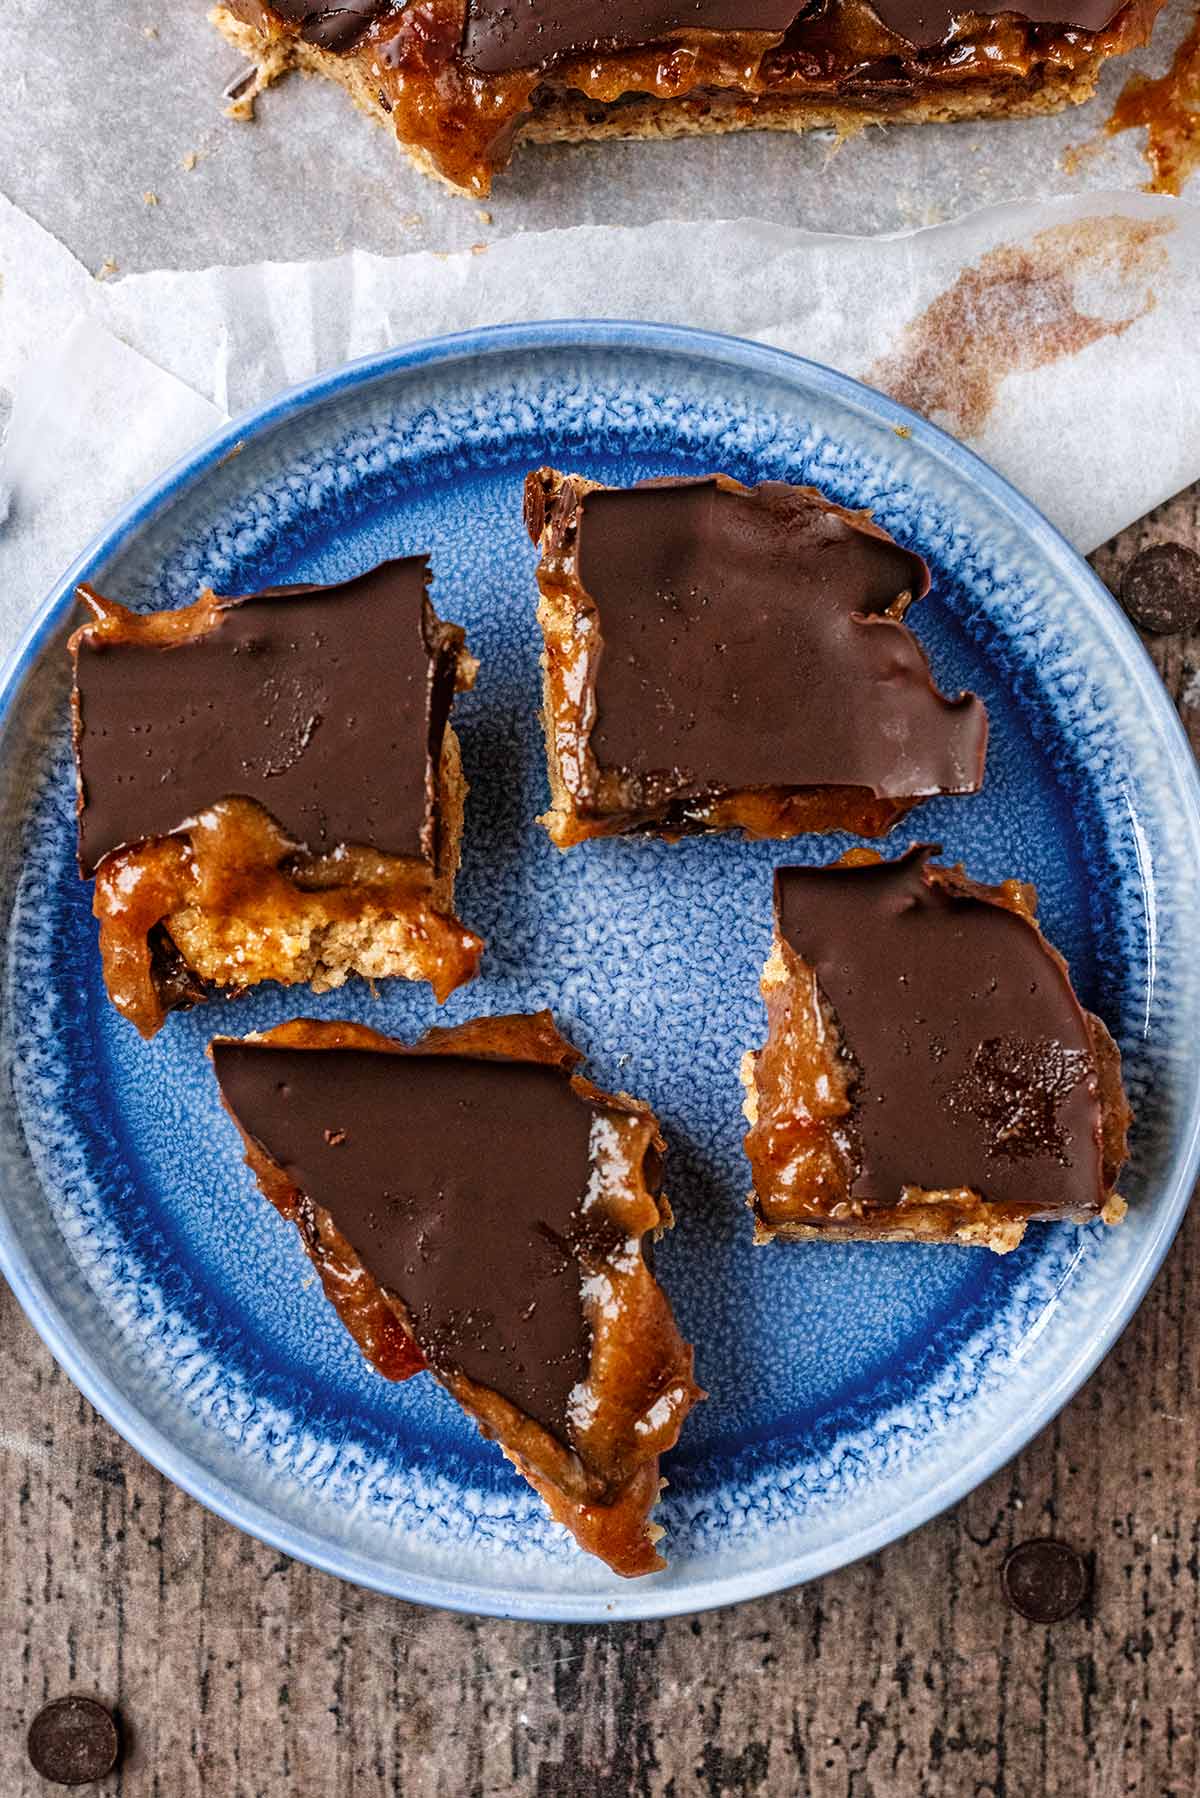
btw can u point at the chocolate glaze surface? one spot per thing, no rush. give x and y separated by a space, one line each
502 35
520 34
326 705
459 1184
927 23
744 645
973 1055
329 25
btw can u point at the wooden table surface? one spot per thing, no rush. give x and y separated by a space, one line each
241 1674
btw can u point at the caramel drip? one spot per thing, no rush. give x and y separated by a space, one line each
1169 108
234 875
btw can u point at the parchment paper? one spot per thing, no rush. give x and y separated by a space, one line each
92 120
1061 340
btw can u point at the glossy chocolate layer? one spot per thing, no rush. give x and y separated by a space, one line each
459 1184
329 25
927 23
502 35
520 34
973 1057
744 646
326 705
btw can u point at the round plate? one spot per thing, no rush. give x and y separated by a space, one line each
854 1390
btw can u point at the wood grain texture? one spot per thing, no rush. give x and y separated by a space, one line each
241 1674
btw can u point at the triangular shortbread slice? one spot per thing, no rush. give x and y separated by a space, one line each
476 1208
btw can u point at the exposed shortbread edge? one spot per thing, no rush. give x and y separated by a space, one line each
318 947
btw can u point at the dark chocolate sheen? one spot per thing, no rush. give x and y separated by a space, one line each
331 26
973 1056
520 34
502 35
458 1183
926 23
326 705
742 647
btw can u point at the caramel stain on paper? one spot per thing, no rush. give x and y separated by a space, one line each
1017 310
1169 108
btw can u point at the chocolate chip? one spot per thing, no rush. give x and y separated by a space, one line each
1045 1580
73 1741
242 82
1160 588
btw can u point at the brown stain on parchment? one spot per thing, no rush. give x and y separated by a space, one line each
1169 108
1016 310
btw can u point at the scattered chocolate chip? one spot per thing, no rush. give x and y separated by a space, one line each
1045 1580
241 84
73 1741
1160 588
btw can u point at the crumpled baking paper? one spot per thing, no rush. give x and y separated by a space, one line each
1061 341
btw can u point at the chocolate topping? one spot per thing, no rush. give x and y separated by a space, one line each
973 1057
520 34
502 35
927 23
459 1184
744 645
330 26
325 704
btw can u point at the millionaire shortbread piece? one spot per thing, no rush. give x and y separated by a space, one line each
722 657
460 82
929 1073
269 788
475 1208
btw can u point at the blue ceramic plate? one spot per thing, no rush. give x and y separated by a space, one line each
854 1390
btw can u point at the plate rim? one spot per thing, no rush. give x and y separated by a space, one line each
631 1600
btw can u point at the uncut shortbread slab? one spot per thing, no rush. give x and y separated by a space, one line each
461 82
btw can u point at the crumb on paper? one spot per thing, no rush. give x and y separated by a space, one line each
902 430
412 221
190 160
484 217
150 198
1075 156
243 90
479 249
150 31
107 269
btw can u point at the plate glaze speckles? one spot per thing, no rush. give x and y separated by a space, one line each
853 1390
